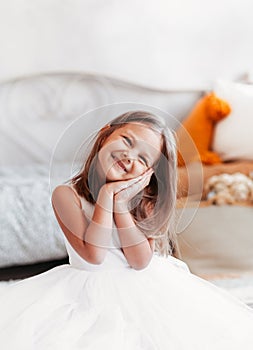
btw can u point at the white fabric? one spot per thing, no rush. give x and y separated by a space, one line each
241 288
112 306
29 230
233 135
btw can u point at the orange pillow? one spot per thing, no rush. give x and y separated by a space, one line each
200 126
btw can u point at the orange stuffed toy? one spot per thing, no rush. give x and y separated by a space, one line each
200 125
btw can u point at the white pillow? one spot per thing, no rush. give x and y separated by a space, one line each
233 137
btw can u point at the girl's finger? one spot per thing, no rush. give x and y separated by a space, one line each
134 180
143 178
149 172
128 183
143 182
148 175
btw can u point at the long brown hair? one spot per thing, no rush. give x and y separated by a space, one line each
154 207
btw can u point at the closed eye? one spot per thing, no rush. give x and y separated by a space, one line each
128 140
144 160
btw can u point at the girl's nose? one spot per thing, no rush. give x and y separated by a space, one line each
126 158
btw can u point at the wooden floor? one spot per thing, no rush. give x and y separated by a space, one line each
20 272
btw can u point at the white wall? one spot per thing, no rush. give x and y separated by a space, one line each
166 44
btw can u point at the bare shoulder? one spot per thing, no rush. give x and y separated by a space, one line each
64 193
69 214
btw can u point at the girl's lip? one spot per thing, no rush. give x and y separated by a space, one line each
119 163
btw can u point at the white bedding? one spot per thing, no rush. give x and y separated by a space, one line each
29 231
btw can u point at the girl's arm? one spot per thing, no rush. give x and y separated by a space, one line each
137 248
88 239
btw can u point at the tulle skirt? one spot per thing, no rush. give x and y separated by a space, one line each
162 307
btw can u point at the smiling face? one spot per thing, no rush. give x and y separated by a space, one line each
128 152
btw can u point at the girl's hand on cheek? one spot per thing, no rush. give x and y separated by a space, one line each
117 186
131 189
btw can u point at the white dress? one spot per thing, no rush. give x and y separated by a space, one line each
112 306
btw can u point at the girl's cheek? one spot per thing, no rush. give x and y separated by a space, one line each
140 169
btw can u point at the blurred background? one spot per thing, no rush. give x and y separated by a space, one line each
60 59
162 44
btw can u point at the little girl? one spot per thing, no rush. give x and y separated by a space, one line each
125 287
